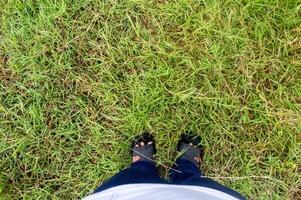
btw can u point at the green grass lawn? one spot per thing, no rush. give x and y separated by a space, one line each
80 79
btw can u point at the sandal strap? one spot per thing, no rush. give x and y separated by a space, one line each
146 152
189 151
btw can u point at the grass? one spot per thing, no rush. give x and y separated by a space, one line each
79 79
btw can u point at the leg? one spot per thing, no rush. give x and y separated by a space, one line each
143 168
139 172
191 175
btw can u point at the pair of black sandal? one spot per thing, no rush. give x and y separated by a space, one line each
189 146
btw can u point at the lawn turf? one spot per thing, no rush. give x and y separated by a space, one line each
79 79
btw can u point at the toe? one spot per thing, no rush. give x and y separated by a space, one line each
142 144
149 143
198 159
136 158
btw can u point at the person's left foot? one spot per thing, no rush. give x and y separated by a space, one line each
143 148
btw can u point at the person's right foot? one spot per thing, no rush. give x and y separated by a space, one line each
191 149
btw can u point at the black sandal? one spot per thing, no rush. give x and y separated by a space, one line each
147 151
189 152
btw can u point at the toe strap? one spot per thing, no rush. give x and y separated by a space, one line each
146 152
189 153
